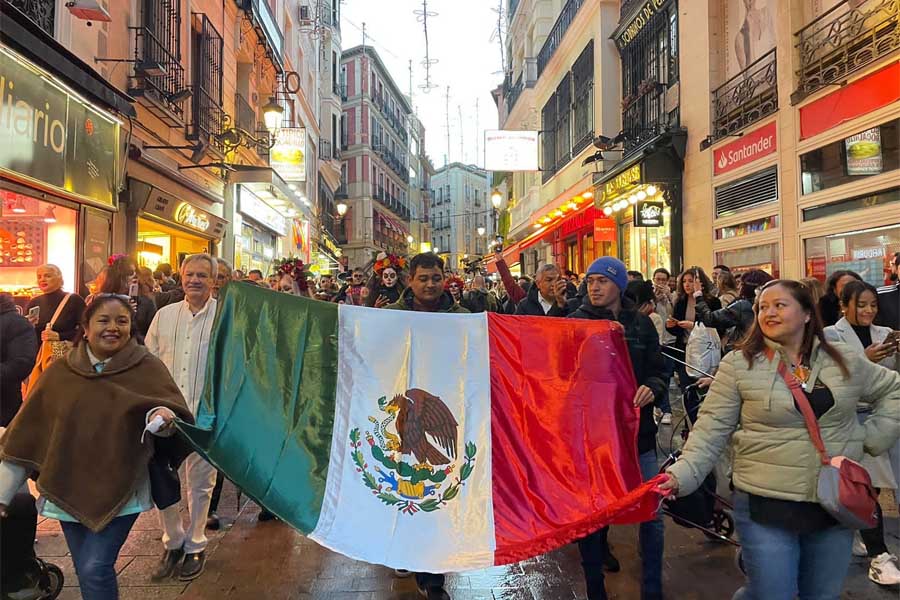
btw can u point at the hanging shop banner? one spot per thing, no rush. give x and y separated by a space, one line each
262 213
604 230
511 151
864 153
648 214
627 32
745 150
300 239
52 136
288 155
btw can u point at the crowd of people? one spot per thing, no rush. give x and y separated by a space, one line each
131 357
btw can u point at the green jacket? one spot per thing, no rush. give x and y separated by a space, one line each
751 407
447 305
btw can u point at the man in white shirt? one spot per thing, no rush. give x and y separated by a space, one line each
179 336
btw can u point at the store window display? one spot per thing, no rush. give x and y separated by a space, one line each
867 252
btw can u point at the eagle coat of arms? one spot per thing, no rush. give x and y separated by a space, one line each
414 452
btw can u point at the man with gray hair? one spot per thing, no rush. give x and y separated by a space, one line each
179 336
547 297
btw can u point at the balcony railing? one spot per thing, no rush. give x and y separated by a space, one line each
557 33
747 97
158 73
325 149
42 12
245 116
378 193
514 92
208 118
845 39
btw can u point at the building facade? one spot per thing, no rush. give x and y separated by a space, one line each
376 122
188 155
792 159
463 220
420 173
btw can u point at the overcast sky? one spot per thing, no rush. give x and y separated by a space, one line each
460 40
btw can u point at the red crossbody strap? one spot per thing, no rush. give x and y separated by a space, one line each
812 425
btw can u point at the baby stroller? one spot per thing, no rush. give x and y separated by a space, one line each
24 576
704 509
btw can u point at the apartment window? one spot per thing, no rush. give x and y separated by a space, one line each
548 138
208 115
563 121
158 65
583 102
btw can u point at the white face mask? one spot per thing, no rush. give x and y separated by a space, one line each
389 278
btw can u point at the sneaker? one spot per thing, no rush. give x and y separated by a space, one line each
402 573
212 522
192 567
883 569
666 419
859 547
167 565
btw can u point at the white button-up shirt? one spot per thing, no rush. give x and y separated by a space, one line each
547 306
181 340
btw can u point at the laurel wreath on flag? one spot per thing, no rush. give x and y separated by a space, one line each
384 493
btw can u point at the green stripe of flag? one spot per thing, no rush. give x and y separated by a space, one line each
267 409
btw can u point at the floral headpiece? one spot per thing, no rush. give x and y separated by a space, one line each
454 279
398 263
112 259
295 269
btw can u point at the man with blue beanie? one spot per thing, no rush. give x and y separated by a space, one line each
606 280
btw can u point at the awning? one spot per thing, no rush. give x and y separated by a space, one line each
24 36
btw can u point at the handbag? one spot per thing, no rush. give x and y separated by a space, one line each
703 350
47 353
165 485
844 488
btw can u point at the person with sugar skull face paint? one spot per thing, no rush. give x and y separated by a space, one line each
385 285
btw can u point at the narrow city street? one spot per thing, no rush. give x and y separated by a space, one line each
251 560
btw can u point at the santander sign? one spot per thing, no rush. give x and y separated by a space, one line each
748 148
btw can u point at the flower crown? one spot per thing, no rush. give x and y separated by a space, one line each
454 279
398 263
112 259
295 269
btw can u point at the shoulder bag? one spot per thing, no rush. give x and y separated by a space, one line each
844 488
48 352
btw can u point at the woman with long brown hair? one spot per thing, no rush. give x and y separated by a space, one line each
791 546
684 313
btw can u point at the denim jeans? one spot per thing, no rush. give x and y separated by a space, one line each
95 554
783 565
594 548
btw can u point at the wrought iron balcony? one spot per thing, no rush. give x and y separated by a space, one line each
845 39
566 16
514 92
746 98
208 118
245 116
42 12
158 73
325 149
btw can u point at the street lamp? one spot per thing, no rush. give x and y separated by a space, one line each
437 250
480 230
341 209
496 199
272 113
409 239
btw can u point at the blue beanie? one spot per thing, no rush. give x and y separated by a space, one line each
611 268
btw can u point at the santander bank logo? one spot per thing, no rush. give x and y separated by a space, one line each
747 149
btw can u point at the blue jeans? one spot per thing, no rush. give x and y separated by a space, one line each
95 554
783 565
594 548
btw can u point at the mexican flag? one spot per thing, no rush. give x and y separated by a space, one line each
422 441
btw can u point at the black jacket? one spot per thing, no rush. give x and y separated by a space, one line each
830 309
736 319
18 350
646 359
479 301
69 321
889 307
532 306
680 310
391 293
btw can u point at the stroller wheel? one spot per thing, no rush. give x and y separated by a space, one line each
52 580
722 523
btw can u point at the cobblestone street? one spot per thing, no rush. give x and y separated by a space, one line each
251 560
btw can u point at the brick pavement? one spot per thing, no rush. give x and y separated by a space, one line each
250 560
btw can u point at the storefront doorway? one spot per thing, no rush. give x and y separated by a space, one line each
158 244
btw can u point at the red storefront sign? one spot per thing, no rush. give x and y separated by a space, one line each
743 151
860 97
604 230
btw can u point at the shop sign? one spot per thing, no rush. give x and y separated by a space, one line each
262 213
622 181
640 20
169 208
604 230
648 214
288 155
300 241
52 136
864 153
748 148
189 216
867 253
510 151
